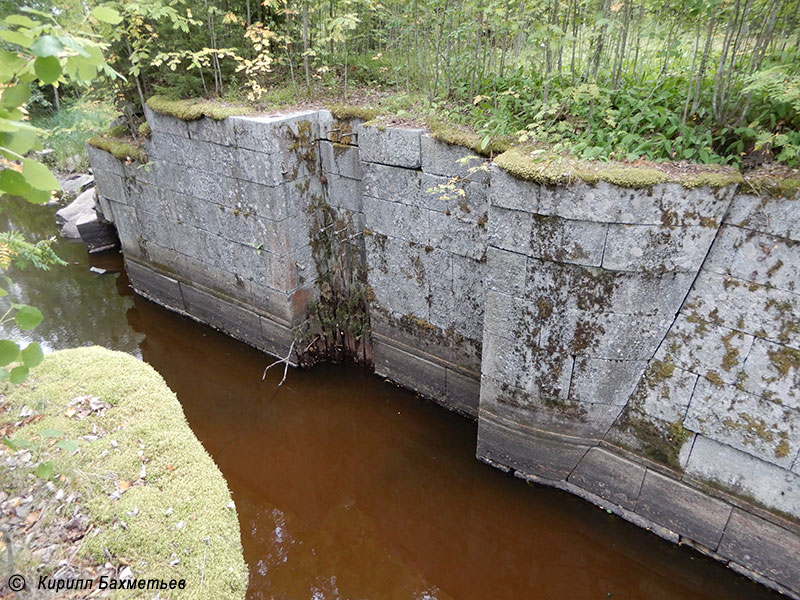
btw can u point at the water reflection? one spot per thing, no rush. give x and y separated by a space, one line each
350 488
80 307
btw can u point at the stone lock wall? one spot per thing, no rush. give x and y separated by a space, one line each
637 347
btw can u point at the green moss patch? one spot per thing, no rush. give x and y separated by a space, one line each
353 111
155 499
194 109
124 149
546 168
450 134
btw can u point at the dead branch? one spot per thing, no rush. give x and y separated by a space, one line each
285 361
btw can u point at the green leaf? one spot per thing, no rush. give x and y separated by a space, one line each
28 318
51 433
17 443
18 375
21 20
4 374
47 68
67 445
32 355
45 470
15 37
3 293
16 95
13 183
38 176
9 352
47 45
21 141
106 14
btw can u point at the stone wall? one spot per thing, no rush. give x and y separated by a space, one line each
637 347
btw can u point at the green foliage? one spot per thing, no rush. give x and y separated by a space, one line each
37 50
66 130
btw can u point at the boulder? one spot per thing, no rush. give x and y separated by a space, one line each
69 215
75 184
97 234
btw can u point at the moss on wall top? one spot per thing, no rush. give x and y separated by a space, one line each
548 169
353 111
121 146
197 108
172 497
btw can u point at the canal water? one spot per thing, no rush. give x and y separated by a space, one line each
350 488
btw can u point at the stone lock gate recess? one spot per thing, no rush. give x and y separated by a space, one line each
636 345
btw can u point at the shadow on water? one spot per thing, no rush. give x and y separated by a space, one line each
348 487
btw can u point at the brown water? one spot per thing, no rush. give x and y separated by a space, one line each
348 487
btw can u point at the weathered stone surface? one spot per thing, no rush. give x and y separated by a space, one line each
507 271
590 289
276 203
653 248
526 450
757 257
392 183
164 290
165 123
109 185
605 381
271 169
103 208
424 376
703 347
390 146
775 216
468 295
683 509
602 335
773 371
461 236
750 423
703 206
664 391
340 159
610 477
763 547
210 130
462 392
223 314
744 475
564 241
197 183
341 131
103 161
749 307
401 221
98 235
397 276
271 133
209 157
510 229
343 192
511 193
439 158
464 199
155 228
129 230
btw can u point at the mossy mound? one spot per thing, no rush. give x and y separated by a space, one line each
197 108
450 134
353 111
155 498
124 149
548 169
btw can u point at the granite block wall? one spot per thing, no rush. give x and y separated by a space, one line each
637 347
